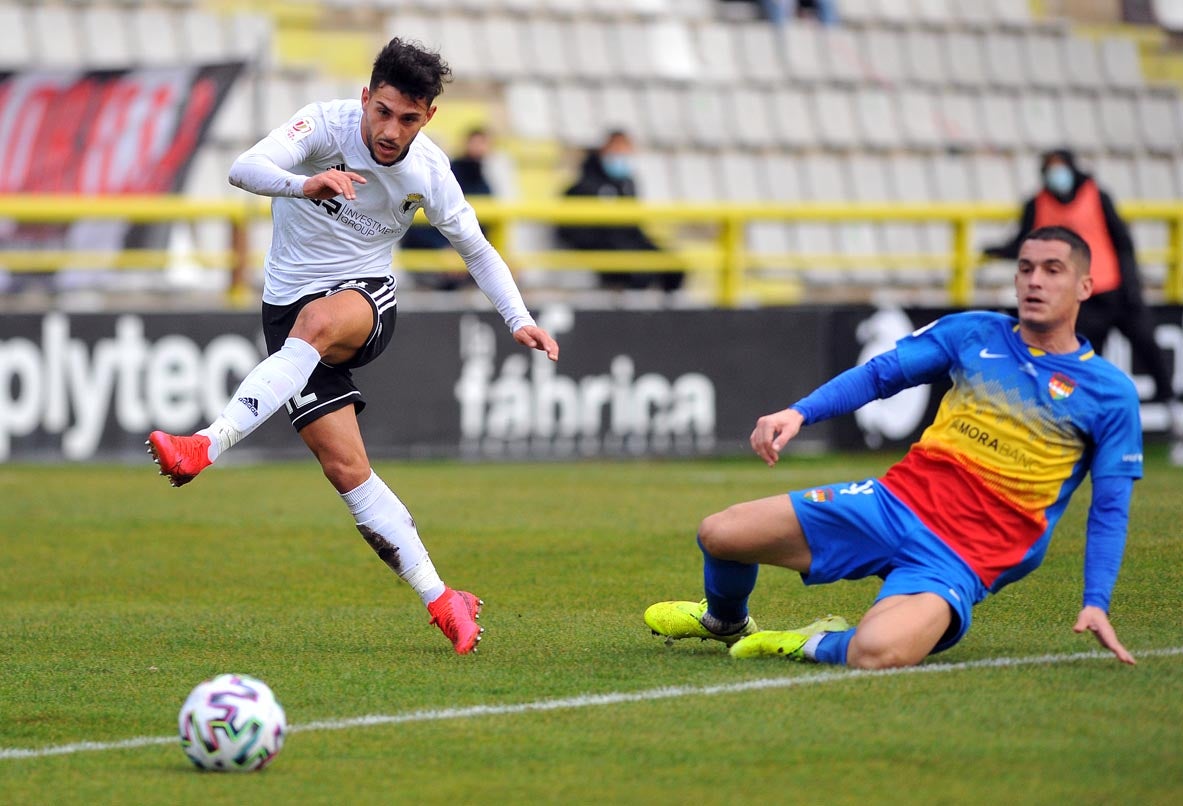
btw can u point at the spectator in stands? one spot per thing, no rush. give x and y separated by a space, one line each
607 172
1072 198
780 11
469 170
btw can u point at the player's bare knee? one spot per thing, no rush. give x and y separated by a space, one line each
343 470
713 534
314 326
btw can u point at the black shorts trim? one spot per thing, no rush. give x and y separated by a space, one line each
331 387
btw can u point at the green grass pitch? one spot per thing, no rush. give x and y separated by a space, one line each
118 594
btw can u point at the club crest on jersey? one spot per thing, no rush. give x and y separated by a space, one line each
819 495
1061 386
411 203
300 129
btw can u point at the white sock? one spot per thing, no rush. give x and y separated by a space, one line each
272 382
809 649
390 530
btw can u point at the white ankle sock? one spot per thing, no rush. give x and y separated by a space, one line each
390 530
272 382
809 649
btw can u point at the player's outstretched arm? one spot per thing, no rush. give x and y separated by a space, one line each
536 338
332 183
1095 621
773 432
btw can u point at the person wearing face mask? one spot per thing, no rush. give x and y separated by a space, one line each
1072 198
607 172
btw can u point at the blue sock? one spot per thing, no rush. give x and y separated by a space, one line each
728 585
832 648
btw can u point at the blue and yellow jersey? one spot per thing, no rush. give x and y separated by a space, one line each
1012 439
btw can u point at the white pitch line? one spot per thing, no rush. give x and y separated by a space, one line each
592 700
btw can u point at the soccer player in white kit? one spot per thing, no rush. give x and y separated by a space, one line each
347 178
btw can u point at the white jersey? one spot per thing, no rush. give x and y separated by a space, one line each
317 244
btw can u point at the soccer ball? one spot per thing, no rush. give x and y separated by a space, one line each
232 722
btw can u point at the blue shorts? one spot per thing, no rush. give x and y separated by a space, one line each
859 529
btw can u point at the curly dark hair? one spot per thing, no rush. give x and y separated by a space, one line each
412 69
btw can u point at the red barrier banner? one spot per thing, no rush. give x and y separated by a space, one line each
102 132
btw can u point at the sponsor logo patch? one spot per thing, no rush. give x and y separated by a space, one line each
819 495
300 129
1061 386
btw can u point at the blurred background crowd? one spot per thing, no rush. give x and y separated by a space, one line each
710 103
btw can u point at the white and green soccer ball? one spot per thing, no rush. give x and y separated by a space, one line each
232 723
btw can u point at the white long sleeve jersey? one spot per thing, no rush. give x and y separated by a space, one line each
317 244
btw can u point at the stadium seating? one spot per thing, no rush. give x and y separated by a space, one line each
904 100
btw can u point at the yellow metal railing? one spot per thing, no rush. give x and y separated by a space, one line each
718 245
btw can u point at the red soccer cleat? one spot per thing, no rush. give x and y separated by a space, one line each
455 613
180 458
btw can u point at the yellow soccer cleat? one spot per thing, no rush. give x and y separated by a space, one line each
678 620
785 643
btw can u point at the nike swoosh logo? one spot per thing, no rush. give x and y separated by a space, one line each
985 353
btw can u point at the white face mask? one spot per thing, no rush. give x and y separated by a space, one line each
1059 179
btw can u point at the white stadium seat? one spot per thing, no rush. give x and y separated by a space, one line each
924 57
55 39
593 50
741 177
1084 63
664 109
964 58
1043 58
696 176
155 36
1082 129
876 116
1041 120
1005 65
759 52
16 49
1000 120
715 45
204 37
882 50
919 122
804 61
834 111
1120 64
505 57
751 109
577 121
793 118
1119 122
1158 121
531 107
106 34
840 49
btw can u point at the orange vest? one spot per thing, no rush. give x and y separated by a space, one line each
1084 215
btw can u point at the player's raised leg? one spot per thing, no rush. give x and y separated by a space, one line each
387 526
262 392
332 327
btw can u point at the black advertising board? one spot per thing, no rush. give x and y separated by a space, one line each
82 387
